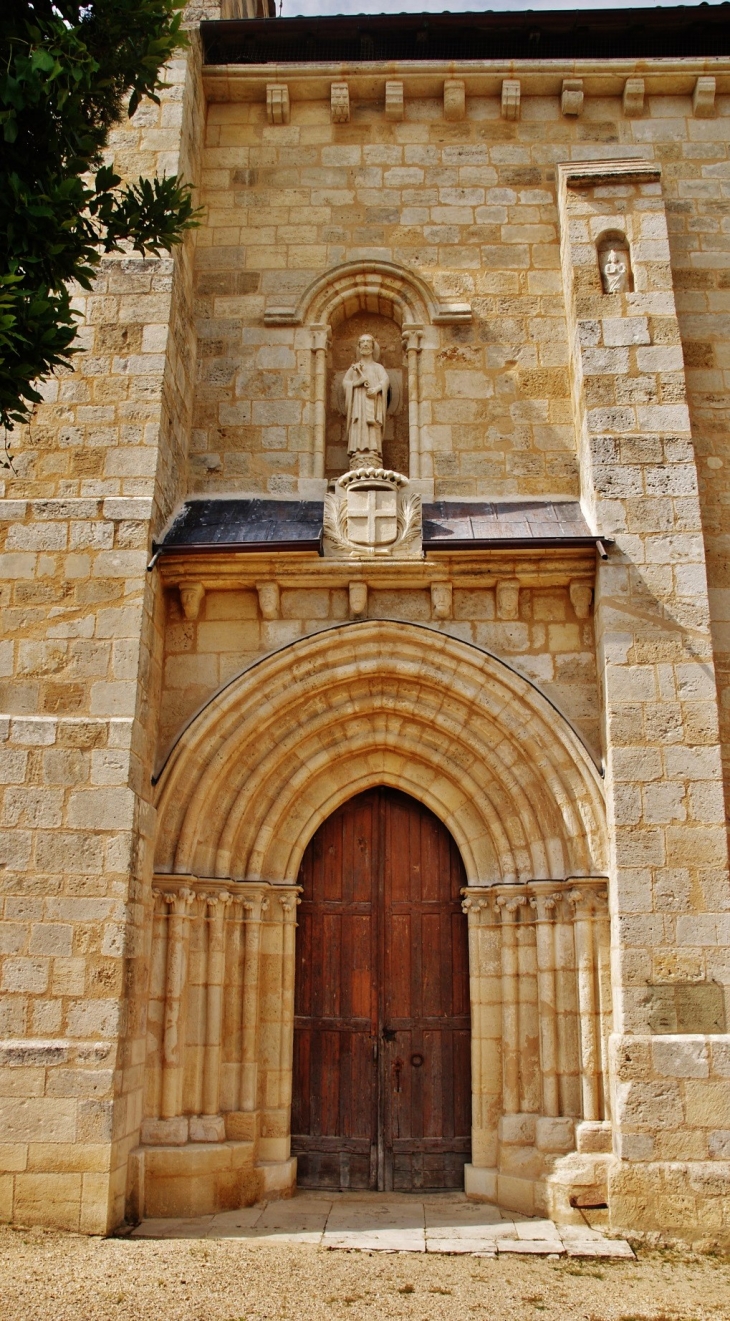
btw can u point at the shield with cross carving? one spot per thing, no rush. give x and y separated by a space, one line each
372 516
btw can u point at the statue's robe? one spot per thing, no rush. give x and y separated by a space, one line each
366 393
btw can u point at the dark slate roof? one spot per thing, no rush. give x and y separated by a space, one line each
460 524
245 525
286 525
591 33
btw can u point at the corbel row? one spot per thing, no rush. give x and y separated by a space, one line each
572 98
507 599
192 596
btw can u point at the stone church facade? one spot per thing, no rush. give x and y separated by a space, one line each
245 660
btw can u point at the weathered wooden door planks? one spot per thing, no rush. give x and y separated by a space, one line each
381 1042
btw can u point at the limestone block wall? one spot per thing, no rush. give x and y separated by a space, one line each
670 890
534 627
100 465
183 387
467 205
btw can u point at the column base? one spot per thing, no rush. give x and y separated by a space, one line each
278 1177
480 1183
679 1199
199 1178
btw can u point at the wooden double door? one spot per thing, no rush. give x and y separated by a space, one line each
381 1092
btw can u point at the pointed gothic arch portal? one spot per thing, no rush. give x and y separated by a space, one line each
381 1093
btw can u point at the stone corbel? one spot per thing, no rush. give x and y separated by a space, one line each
277 103
269 597
581 599
454 99
508 599
703 98
571 99
340 103
358 597
633 99
441 600
191 599
394 102
511 95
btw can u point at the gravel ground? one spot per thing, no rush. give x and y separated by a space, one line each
48 1276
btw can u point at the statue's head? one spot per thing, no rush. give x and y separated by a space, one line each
368 347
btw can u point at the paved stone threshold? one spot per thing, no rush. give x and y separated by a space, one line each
374 1222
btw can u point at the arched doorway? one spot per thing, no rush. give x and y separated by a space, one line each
381 1088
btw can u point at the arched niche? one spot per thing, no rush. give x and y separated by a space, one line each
342 350
613 254
374 289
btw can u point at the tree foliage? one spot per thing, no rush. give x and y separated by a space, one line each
68 73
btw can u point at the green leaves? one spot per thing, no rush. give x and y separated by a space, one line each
68 72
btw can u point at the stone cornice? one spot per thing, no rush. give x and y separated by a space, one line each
421 80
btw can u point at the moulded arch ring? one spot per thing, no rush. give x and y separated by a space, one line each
376 286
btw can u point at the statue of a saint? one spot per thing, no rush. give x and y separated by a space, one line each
614 270
366 386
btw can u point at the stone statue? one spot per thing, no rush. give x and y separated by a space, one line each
614 266
366 386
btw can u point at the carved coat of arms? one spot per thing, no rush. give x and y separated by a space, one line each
369 513
372 515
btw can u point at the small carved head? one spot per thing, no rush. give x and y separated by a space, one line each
368 347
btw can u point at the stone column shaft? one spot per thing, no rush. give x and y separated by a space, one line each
254 910
412 345
586 973
510 1011
173 1041
547 1008
485 991
216 966
320 340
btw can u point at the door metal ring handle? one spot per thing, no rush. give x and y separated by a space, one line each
417 1060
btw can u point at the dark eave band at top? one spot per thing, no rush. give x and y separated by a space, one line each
676 33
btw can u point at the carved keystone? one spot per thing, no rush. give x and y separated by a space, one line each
340 103
191 599
571 100
268 594
454 99
277 103
511 94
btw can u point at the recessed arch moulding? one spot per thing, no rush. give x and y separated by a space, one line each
384 289
284 743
